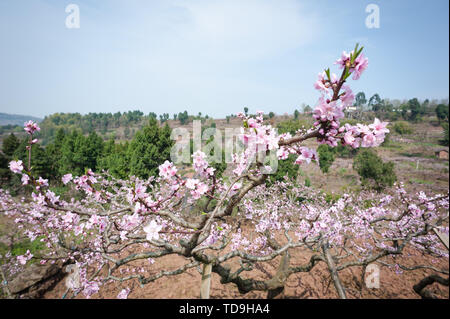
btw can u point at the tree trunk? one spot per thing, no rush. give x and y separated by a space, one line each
334 274
279 280
206 281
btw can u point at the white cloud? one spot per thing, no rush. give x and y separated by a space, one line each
246 29
171 54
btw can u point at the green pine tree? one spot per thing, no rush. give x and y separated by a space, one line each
149 148
10 144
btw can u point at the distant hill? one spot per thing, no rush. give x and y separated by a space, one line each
16 119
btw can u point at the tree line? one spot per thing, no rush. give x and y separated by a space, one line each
411 110
74 152
102 123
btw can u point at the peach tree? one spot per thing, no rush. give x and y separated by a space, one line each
244 221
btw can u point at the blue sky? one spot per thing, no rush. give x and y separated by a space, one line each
210 56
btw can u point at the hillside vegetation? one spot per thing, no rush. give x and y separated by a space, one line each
15 119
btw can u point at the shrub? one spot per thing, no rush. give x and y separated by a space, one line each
392 116
326 157
344 151
307 182
286 169
331 198
292 126
402 128
445 141
387 140
442 112
373 171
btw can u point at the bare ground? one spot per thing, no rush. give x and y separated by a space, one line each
313 285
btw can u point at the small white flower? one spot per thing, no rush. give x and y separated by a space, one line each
152 230
67 178
123 294
191 183
16 166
